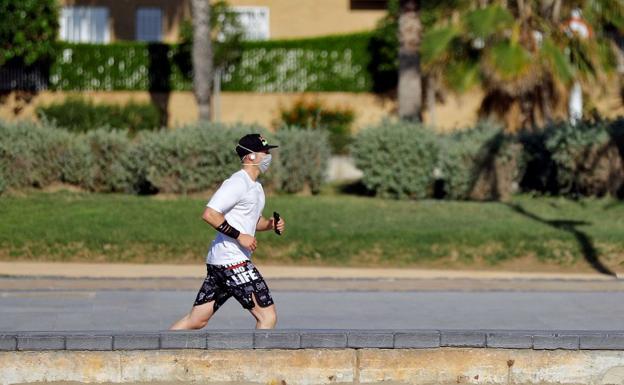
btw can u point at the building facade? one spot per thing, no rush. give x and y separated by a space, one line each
104 21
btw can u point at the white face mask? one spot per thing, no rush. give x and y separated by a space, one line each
265 163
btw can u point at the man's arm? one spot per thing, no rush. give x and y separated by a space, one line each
265 224
216 219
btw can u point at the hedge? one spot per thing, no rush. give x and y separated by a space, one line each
582 160
398 159
187 159
403 160
303 158
481 163
78 114
330 63
184 160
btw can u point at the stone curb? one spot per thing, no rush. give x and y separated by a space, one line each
312 339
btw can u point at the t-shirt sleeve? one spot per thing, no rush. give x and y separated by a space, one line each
226 197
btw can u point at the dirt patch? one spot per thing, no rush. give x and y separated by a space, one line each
470 258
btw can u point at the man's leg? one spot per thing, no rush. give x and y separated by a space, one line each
209 298
197 318
266 317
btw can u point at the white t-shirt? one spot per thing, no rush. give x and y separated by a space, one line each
241 200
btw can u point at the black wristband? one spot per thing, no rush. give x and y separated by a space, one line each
228 230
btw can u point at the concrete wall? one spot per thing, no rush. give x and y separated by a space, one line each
307 18
316 357
287 18
457 111
261 108
248 107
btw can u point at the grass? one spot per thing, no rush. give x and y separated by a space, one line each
321 230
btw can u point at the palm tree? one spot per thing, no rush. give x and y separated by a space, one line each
518 52
202 56
397 36
410 87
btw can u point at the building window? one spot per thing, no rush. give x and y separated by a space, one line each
369 4
84 24
149 24
255 22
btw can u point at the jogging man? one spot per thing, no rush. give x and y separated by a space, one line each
235 211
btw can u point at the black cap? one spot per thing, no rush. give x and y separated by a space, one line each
252 143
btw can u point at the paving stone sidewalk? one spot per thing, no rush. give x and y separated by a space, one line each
313 339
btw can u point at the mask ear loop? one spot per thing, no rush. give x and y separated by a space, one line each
252 156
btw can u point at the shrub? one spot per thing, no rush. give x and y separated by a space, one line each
36 156
31 154
397 159
314 114
480 163
187 159
3 166
28 29
484 163
302 159
79 115
75 162
586 158
108 161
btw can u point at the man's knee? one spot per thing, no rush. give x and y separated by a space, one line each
200 315
199 324
267 318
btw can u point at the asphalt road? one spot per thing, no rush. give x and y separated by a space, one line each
151 305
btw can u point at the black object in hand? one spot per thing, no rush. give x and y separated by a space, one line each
276 218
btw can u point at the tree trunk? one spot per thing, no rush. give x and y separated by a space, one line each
410 87
521 9
556 13
202 56
545 8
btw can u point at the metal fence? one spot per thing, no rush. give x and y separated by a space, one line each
26 78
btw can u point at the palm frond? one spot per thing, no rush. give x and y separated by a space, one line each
484 22
509 60
435 43
557 62
462 76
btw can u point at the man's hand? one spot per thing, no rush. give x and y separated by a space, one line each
281 225
248 242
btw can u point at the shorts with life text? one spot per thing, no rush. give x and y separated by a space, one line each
239 280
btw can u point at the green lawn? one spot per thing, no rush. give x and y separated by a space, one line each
325 229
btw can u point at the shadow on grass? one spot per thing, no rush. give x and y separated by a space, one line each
613 204
585 242
356 188
487 163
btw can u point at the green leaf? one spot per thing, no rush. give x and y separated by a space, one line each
487 21
509 59
558 62
435 43
462 76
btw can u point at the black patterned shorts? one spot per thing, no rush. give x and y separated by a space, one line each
239 280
